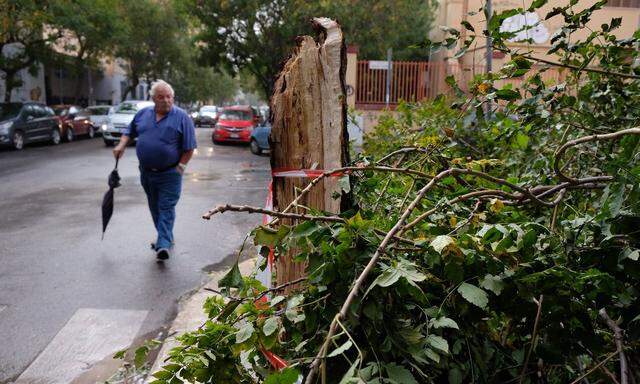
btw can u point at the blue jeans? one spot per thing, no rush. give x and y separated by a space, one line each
163 191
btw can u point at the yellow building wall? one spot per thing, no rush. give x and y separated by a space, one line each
451 14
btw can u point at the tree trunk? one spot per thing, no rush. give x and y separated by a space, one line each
134 84
9 84
309 127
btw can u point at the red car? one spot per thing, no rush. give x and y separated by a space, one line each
235 124
74 121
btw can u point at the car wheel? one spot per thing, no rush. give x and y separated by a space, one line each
18 140
70 135
255 148
55 136
108 143
92 132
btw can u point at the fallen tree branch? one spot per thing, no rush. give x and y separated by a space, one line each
533 338
249 209
572 143
363 275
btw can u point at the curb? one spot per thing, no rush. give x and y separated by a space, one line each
191 315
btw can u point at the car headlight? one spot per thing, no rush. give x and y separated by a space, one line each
4 127
103 127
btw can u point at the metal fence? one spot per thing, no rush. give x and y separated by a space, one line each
419 80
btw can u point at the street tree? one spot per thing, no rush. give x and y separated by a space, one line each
91 29
25 36
256 35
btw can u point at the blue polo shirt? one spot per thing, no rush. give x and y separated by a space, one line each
161 143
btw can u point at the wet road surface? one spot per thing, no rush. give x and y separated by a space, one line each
55 272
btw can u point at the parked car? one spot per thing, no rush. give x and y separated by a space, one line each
99 116
260 139
24 123
235 124
120 119
206 117
74 121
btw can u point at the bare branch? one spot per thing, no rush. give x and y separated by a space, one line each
249 209
533 337
617 334
572 143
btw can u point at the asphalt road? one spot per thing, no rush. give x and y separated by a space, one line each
55 272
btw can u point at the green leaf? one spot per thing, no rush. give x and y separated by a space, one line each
233 278
270 326
164 375
443 322
455 376
399 374
120 354
346 379
244 333
536 4
140 356
467 25
286 376
432 355
444 244
508 94
492 283
522 140
438 343
270 237
474 295
341 349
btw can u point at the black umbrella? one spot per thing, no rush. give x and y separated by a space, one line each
107 200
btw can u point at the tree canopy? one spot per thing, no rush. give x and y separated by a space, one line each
257 35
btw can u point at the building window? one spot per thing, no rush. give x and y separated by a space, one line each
624 3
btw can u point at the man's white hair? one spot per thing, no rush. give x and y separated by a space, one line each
160 83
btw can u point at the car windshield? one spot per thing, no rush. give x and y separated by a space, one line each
208 109
98 110
129 108
235 114
60 111
9 111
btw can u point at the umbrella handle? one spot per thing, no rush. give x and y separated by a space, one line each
117 159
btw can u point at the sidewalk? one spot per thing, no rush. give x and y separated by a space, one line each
191 315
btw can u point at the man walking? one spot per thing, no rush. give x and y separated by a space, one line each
166 140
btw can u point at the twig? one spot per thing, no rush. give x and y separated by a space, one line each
576 381
249 209
403 151
617 334
386 185
279 287
533 338
338 171
587 69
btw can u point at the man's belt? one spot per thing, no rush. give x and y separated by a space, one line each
158 170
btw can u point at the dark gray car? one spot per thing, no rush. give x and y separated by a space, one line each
24 123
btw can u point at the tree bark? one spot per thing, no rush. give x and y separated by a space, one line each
309 127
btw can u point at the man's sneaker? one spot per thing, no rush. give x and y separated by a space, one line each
162 254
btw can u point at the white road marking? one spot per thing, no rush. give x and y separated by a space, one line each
88 337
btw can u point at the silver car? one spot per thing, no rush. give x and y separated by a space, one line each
99 116
120 119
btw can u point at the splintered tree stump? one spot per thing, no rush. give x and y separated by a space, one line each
309 126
